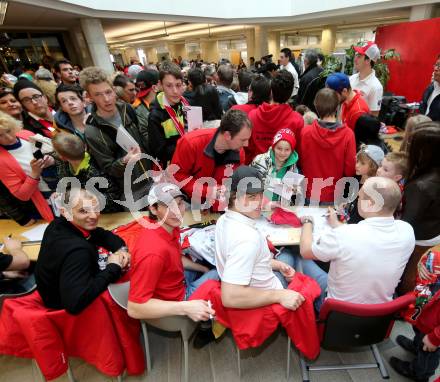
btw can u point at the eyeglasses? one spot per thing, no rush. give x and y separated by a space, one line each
34 98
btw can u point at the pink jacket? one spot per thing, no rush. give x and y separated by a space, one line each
20 185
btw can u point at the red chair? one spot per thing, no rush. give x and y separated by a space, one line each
344 325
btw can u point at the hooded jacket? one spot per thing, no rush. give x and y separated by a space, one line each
266 120
63 123
326 151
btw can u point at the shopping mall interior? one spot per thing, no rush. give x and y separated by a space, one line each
114 35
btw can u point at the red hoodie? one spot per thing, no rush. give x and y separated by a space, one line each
326 153
429 320
266 120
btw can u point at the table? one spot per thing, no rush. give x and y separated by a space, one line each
394 140
111 221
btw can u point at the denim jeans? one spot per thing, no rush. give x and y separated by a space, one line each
288 257
194 279
310 268
425 363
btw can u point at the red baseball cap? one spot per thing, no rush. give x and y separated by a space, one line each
369 49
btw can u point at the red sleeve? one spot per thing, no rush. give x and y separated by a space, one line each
145 273
351 121
185 158
434 336
350 155
22 190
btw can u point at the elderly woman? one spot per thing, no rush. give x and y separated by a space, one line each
21 172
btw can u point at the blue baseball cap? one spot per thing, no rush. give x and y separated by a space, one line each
338 82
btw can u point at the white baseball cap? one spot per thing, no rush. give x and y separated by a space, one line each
369 49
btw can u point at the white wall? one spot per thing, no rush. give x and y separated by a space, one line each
232 9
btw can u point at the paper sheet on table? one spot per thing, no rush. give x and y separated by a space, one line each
320 222
277 233
125 140
36 233
194 117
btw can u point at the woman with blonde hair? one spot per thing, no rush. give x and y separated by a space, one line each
410 128
22 164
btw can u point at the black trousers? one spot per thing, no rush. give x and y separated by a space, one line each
425 363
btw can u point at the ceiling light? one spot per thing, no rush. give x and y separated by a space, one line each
3 9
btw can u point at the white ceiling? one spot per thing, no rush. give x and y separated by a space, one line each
26 17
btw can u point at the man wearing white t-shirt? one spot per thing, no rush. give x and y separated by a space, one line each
365 79
366 259
285 57
244 262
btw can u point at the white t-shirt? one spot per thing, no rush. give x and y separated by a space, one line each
289 67
367 259
23 155
370 88
242 255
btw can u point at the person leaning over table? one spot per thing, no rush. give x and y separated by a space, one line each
366 259
78 259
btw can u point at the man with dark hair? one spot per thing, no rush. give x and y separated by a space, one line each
259 92
310 81
268 118
430 104
352 103
225 76
124 88
244 81
65 71
252 64
166 121
71 115
147 85
38 116
211 153
365 80
285 63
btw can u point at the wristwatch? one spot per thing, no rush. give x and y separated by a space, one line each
307 220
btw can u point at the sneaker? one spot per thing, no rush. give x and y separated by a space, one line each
406 343
203 338
403 368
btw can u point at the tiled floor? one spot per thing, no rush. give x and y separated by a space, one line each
218 363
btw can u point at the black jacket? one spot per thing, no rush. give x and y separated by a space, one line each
310 83
421 205
101 142
21 211
434 110
67 271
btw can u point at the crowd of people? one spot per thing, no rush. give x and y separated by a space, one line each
100 138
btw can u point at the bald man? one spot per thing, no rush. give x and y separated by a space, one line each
366 259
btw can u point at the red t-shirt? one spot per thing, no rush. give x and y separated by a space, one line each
156 267
350 112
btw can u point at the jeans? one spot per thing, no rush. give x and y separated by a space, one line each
310 268
425 363
194 279
288 257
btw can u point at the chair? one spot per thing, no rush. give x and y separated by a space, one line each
182 324
344 325
3 297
